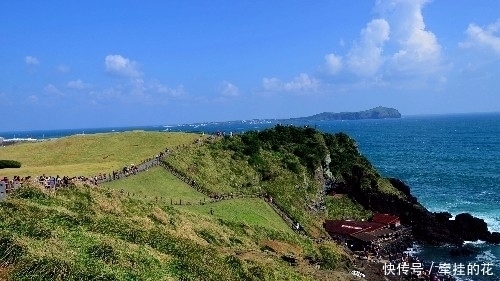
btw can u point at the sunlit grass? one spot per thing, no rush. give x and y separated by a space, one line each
89 155
85 233
343 207
252 211
157 183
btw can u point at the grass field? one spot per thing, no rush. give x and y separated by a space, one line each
252 211
85 233
88 155
157 182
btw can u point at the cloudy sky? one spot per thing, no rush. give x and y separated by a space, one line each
118 63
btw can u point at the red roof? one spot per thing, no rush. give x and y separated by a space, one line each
344 227
384 218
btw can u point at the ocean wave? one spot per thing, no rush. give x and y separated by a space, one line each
487 256
475 243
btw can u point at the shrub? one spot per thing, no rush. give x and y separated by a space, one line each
9 164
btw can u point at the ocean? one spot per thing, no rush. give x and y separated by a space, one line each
451 163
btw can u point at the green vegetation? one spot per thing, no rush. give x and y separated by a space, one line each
9 164
285 162
345 208
83 233
89 155
251 211
129 230
157 184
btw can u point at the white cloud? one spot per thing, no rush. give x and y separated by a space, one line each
365 58
301 83
157 88
30 60
138 91
78 85
63 68
333 63
33 99
229 89
121 66
395 43
488 37
53 90
418 48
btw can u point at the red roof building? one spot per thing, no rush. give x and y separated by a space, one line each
386 219
346 228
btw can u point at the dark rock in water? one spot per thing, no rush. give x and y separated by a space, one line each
462 251
470 228
427 227
443 216
494 238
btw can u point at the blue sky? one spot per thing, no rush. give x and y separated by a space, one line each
68 64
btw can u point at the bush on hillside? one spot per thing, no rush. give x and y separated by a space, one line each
9 164
305 144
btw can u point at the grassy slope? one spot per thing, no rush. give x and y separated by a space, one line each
89 154
158 183
98 231
98 234
217 170
279 161
94 234
251 211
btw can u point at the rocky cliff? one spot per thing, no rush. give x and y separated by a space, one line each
427 227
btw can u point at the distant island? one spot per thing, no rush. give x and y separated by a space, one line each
379 112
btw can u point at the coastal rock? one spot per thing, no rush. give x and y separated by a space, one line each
470 228
494 238
427 227
403 187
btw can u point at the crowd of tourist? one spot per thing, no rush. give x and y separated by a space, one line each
55 182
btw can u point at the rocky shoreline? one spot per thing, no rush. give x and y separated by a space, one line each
428 228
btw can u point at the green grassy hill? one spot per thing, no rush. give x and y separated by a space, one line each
84 233
152 226
159 186
290 164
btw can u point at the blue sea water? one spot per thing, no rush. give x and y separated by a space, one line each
451 163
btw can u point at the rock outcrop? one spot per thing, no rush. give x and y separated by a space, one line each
427 227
